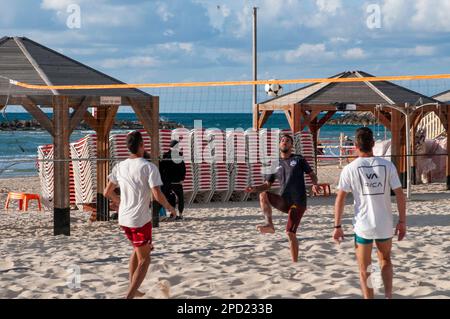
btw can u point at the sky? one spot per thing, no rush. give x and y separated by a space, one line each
206 40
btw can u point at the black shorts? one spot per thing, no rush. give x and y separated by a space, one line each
295 212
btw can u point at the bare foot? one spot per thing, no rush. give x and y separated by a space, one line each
266 229
139 294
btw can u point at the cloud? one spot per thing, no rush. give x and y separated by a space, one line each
99 12
169 33
130 62
417 15
309 52
417 51
329 6
354 54
176 47
163 11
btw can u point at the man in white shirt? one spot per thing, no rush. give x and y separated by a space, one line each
371 179
137 179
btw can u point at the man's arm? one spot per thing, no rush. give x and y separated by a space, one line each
261 188
109 193
401 206
339 205
160 198
314 178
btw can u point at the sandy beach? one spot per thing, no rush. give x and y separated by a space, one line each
216 252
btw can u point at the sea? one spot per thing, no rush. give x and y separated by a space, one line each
18 149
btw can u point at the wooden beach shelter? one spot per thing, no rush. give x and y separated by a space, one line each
444 97
302 108
24 60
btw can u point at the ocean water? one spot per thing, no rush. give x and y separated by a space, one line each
18 149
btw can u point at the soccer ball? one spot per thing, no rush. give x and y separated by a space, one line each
273 89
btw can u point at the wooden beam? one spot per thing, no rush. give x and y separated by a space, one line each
78 114
255 119
288 114
263 118
314 114
325 118
91 121
296 117
61 200
264 107
396 144
381 117
39 115
102 165
110 117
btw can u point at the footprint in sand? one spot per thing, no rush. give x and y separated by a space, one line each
164 286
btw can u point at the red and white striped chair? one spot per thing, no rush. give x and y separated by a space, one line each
203 170
45 171
237 165
85 172
220 173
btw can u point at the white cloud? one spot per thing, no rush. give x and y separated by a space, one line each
99 12
309 52
417 51
354 54
417 15
130 62
163 11
169 33
59 5
422 50
337 40
186 47
329 6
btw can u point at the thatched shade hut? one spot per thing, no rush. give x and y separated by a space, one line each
24 60
303 107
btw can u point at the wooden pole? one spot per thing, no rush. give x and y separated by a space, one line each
256 117
154 109
448 147
61 212
105 118
296 118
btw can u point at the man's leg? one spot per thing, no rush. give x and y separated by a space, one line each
178 188
264 202
295 215
133 267
387 273
364 259
142 254
293 245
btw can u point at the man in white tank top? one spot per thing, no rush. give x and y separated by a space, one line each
371 180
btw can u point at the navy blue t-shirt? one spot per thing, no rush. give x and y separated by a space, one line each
291 174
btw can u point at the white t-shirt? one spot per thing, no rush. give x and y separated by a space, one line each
371 179
135 178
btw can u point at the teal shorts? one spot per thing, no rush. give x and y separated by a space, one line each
363 241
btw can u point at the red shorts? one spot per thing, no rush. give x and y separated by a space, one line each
295 212
139 236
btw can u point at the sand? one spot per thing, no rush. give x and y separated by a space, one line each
217 253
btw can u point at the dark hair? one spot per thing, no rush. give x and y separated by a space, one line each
134 140
364 139
287 136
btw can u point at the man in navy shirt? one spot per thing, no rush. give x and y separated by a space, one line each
292 201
